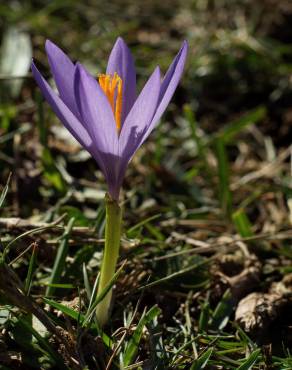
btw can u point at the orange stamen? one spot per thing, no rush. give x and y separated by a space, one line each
112 86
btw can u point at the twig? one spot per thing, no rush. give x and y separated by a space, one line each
36 230
212 247
34 244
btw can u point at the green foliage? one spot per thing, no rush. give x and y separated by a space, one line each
223 176
60 260
132 345
222 312
242 223
250 361
202 361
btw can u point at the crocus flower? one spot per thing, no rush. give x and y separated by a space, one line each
105 114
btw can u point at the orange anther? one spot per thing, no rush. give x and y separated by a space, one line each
112 86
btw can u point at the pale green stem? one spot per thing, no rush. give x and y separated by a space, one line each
110 256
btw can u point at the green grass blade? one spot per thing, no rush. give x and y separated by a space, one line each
86 281
204 316
202 361
223 177
52 173
59 264
31 268
55 358
78 316
142 223
93 293
229 131
99 224
222 311
156 344
251 360
132 346
65 310
30 232
174 275
101 296
244 337
61 286
242 223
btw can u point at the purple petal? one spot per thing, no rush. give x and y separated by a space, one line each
171 80
140 117
121 62
168 86
63 72
62 111
95 111
97 116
